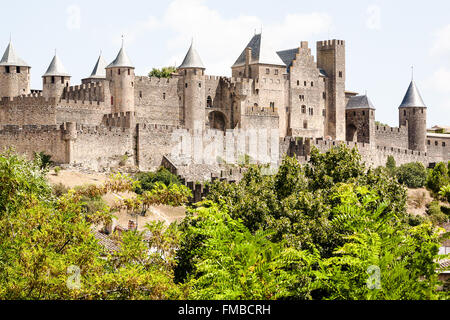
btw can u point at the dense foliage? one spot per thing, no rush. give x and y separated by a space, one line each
148 180
330 229
413 175
438 177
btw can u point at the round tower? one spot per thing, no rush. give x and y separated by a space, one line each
121 78
55 80
14 74
193 75
413 113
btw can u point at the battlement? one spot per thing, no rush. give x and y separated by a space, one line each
27 100
401 129
82 104
122 119
213 78
330 44
154 81
92 91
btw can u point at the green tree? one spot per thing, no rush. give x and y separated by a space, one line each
390 164
165 72
413 175
438 177
148 180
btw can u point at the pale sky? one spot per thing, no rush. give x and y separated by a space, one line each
383 39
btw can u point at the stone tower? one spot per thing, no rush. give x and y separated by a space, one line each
55 80
413 113
14 74
120 74
360 120
331 58
193 77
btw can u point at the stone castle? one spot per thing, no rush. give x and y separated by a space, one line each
116 116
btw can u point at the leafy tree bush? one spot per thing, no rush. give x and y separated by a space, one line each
165 72
413 175
435 213
445 193
148 180
43 159
390 164
438 177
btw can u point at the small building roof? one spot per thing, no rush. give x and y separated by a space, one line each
99 71
10 58
192 59
122 60
360 102
262 53
56 68
412 97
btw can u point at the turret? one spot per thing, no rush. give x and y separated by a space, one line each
360 120
99 71
55 80
193 73
120 74
331 58
413 113
14 74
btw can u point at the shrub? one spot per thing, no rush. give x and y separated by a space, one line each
438 177
57 170
148 180
59 189
413 175
390 164
44 160
418 199
445 192
123 160
435 213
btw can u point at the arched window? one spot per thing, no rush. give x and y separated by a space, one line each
209 102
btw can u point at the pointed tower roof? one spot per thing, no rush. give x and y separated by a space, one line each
99 71
10 58
261 53
56 68
122 60
192 59
412 97
360 102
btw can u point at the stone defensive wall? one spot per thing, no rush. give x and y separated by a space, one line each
158 100
391 136
93 91
438 147
28 139
32 109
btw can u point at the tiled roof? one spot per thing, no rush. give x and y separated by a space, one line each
358 102
106 242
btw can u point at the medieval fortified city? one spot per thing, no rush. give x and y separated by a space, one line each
258 187
115 113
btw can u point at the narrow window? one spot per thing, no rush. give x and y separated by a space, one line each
7 69
209 102
305 124
298 82
186 85
164 96
128 71
364 113
404 112
276 72
340 74
17 69
428 142
267 71
303 109
304 83
199 84
140 94
112 100
324 113
312 83
443 144
53 79
118 70
62 80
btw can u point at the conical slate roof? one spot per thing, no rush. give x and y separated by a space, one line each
122 60
360 102
99 71
10 58
192 59
412 97
56 68
261 53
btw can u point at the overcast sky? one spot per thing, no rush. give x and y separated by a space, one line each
383 39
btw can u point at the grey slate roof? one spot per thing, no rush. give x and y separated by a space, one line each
10 58
122 60
99 71
412 97
261 53
56 68
192 59
359 102
287 56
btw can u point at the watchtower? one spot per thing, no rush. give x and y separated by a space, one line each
55 80
14 74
